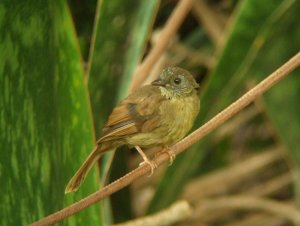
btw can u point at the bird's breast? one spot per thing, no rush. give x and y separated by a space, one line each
178 116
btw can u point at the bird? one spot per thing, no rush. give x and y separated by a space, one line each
155 115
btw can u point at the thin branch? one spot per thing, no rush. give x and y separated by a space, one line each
230 176
238 121
208 19
177 212
238 105
208 127
259 219
265 188
271 186
287 211
193 57
172 25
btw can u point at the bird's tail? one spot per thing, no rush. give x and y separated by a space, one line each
81 173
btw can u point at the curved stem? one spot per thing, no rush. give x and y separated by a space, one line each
208 127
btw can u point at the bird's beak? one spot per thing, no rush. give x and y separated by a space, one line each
158 82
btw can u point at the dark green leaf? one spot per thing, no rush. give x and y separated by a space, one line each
45 126
121 33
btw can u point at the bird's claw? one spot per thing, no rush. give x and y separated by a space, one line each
152 165
170 153
172 156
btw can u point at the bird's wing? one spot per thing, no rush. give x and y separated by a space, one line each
139 112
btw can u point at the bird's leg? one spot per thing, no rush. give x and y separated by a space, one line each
170 152
146 160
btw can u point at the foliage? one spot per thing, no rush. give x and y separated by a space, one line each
58 88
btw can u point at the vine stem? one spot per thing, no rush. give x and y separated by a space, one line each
172 25
198 134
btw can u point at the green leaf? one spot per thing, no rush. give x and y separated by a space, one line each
45 125
121 33
282 101
232 70
252 20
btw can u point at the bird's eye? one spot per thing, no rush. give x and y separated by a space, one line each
177 81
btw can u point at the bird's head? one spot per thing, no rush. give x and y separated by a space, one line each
176 82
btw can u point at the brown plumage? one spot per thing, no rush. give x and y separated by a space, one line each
159 114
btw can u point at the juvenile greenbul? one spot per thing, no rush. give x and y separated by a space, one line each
159 114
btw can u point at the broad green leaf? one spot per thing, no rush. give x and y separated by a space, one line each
121 32
272 47
282 101
231 78
252 20
45 124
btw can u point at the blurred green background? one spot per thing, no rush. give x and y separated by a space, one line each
65 64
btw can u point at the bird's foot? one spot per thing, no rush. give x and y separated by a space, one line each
171 154
152 164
